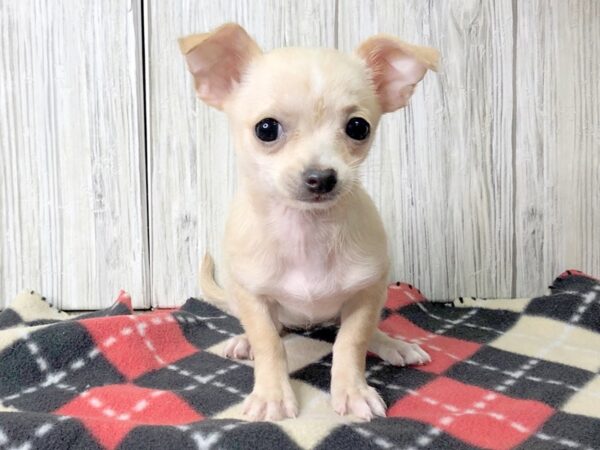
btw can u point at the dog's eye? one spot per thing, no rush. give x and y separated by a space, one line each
358 128
268 130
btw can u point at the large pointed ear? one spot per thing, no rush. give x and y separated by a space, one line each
396 67
217 61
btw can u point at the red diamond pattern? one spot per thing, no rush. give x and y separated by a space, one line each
110 412
157 338
478 416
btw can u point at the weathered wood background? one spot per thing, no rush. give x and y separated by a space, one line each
72 169
113 175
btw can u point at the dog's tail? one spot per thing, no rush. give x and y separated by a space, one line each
214 294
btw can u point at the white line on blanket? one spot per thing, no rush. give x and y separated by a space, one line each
34 351
38 433
205 442
201 379
378 440
453 323
588 299
108 411
497 369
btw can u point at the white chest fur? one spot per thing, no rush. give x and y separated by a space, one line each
320 264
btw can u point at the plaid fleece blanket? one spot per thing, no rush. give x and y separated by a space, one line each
505 374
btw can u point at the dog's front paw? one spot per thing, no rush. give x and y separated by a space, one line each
271 403
398 352
359 399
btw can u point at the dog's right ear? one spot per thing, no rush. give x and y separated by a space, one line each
217 61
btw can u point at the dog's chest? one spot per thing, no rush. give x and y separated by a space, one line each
309 276
315 273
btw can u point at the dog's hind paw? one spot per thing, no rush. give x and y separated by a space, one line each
238 347
397 351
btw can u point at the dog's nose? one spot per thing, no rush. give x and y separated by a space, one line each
319 181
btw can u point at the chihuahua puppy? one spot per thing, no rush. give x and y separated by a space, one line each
304 243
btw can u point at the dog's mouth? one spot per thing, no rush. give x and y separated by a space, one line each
320 198
317 199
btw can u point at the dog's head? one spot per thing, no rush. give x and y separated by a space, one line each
303 119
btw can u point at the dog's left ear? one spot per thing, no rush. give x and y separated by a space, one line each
217 60
396 67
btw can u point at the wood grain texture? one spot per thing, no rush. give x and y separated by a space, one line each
192 173
72 223
557 140
441 169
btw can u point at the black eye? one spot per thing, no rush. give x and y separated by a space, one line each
358 128
268 130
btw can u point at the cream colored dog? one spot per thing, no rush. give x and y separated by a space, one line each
304 243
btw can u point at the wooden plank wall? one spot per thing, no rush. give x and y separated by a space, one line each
72 192
488 182
557 132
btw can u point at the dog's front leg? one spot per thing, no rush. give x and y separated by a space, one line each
272 397
350 392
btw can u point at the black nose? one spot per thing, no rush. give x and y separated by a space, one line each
319 181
